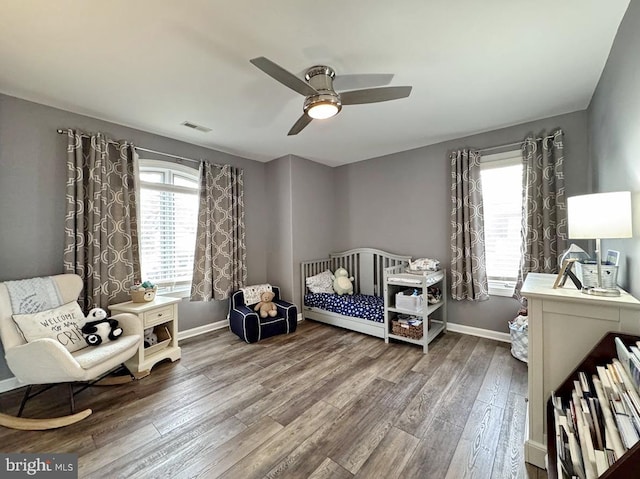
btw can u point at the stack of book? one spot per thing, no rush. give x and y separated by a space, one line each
601 420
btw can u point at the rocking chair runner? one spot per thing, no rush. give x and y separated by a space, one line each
45 361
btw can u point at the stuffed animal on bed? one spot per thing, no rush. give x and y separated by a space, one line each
266 306
99 328
342 282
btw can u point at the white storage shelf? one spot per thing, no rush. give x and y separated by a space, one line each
432 308
395 281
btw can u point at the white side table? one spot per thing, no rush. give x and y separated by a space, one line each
162 312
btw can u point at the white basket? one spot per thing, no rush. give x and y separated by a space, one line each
409 302
587 273
519 330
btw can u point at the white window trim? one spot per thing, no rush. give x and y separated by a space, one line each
500 160
181 293
501 286
162 165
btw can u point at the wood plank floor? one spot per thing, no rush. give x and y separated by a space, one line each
320 403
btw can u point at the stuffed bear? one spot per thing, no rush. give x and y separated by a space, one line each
266 306
99 328
342 282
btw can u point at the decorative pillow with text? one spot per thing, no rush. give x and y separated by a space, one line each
62 324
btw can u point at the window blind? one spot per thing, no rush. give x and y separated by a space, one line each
502 200
168 234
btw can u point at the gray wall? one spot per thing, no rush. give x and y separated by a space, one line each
313 211
32 196
401 203
614 136
280 232
302 212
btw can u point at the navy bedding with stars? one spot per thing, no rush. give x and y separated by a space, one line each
357 305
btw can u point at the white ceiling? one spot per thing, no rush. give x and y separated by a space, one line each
152 64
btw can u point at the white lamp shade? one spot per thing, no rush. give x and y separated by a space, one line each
601 215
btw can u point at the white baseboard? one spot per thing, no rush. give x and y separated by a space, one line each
300 317
207 328
483 333
9 384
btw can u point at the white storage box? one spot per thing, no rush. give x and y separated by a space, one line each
587 273
409 301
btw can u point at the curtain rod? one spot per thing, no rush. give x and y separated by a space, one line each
517 143
182 158
64 132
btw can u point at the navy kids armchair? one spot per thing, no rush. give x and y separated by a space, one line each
247 323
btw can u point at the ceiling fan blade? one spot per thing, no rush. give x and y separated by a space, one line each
374 95
283 76
299 125
361 80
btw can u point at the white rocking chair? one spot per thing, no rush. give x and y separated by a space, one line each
47 362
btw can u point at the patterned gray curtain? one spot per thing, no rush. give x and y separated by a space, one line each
220 259
468 267
544 207
101 225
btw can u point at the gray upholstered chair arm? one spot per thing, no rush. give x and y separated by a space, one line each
129 323
43 361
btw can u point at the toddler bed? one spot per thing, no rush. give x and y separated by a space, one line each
364 310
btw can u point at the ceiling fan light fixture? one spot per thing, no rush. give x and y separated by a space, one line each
322 111
321 99
322 106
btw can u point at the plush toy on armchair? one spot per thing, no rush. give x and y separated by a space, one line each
250 325
266 306
99 328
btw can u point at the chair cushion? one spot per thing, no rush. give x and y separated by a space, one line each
62 324
89 357
252 294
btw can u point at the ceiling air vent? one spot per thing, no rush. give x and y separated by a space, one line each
193 126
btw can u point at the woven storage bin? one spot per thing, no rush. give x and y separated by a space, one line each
406 330
164 338
587 273
138 296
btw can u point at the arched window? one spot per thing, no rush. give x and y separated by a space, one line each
168 222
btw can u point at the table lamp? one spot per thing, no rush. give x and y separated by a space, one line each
597 216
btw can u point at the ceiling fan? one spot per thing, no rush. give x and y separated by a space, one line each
322 101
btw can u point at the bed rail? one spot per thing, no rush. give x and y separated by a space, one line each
366 265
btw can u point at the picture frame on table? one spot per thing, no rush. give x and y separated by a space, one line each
565 272
612 258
